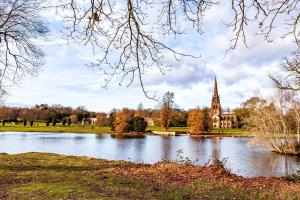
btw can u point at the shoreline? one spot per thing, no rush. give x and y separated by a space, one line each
106 130
53 176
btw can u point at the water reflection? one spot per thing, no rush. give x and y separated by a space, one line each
241 158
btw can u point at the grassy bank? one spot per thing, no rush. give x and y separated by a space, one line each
49 176
41 127
57 128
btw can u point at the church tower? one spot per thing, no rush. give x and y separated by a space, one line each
216 107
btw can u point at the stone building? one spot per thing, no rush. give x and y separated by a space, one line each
220 119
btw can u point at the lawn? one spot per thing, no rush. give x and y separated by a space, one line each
41 127
50 176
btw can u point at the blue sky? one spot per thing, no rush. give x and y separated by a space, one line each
241 73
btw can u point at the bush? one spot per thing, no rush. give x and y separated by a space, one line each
53 122
64 122
69 121
138 124
3 123
24 122
31 123
47 123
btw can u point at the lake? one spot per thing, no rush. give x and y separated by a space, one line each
241 157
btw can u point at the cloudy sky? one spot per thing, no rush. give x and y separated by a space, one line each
241 73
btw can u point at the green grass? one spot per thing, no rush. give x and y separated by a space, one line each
50 176
41 127
230 131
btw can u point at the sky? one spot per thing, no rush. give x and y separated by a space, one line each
241 73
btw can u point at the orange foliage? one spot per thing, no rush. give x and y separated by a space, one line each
123 119
196 121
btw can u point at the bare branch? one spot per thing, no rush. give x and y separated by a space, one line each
19 26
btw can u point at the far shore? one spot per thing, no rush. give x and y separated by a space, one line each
90 129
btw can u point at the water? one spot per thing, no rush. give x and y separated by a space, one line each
241 157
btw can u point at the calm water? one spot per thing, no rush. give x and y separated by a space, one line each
242 158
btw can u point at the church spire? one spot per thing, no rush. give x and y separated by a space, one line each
216 94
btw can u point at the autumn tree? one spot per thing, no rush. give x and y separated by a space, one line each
178 118
196 121
101 119
73 118
27 114
140 112
166 110
123 119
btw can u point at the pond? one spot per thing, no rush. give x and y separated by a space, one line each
241 157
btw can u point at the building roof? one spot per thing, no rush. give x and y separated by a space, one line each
216 93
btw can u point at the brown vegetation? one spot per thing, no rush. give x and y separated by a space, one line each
166 110
196 121
123 118
49 176
271 122
101 119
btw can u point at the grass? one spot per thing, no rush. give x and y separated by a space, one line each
41 127
50 176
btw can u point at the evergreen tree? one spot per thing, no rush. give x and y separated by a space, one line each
138 124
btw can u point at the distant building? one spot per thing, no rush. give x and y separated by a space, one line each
221 119
93 121
149 121
89 121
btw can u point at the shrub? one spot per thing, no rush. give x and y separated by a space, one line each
31 123
3 123
64 122
24 122
138 124
53 122
69 121
47 123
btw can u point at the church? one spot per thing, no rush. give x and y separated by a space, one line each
219 118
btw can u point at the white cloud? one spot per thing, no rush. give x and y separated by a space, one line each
241 73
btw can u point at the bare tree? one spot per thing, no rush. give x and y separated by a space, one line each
270 122
268 15
166 110
130 35
290 80
20 26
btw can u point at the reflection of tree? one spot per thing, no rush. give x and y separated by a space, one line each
215 154
166 147
272 164
100 136
139 146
